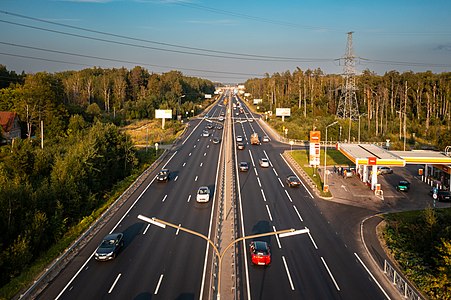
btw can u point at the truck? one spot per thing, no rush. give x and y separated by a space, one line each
255 140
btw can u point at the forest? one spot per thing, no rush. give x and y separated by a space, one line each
394 106
44 191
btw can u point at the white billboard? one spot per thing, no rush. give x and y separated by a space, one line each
283 112
258 101
207 96
163 113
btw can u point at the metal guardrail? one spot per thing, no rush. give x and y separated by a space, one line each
401 285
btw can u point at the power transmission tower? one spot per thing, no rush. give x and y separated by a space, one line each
347 106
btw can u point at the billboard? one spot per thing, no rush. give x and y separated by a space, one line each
258 101
207 96
283 112
314 149
163 113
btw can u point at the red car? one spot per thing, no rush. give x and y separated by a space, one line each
260 253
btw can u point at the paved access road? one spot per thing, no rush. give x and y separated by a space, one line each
155 263
319 265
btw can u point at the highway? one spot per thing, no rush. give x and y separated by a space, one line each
158 263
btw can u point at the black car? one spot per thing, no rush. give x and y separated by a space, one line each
216 140
163 175
444 196
110 247
293 181
403 186
244 166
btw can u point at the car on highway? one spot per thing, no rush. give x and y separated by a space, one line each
260 253
243 166
293 181
384 170
219 126
110 247
444 196
205 133
163 175
239 138
203 194
216 140
265 139
240 145
264 162
403 186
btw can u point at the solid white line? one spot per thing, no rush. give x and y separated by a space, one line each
165 196
201 165
288 273
184 164
297 212
330 274
311 196
275 172
311 238
114 283
380 287
277 237
263 195
252 159
189 198
259 183
286 192
158 285
280 181
255 170
269 212
147 227
178 229
176 177
195 179
270 163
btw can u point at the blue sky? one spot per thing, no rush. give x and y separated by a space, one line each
226 41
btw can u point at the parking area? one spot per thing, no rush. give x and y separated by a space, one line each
352 191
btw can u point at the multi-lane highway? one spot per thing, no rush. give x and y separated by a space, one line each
158 263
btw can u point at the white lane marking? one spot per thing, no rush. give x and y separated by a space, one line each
280 181
311 196
288 272
164 198
147 227
277 237
263 195
311 238
297 212
259 183
184 164
195 179
380 287
201 164
286 192
269 212
275 172
114 283
158 285
255 170
194 145
330 273
189 198
189 154
198 139
252 159
176 177
205 153
178 229
270 163
208 146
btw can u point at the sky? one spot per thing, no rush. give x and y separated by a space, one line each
225 41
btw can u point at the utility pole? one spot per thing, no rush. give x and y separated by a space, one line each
347 105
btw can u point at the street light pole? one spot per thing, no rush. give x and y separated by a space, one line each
219 255
325 157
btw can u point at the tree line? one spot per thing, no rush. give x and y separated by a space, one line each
387 103
45 191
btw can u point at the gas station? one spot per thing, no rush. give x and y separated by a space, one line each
368 157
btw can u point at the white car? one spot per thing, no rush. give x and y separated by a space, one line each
205 133
239 138
264 162
203 194
265 139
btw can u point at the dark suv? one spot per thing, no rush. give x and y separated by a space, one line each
444 196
